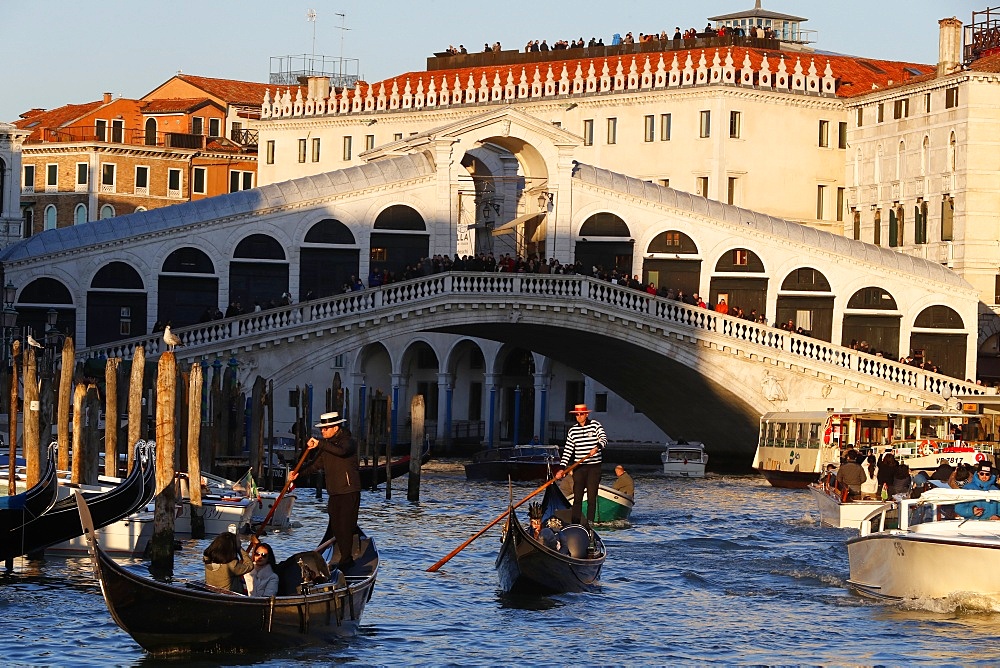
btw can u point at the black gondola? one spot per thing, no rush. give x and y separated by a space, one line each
373 475
62 521
521 462
183 618
565 562
17 510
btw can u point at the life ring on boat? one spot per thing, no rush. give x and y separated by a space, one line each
980 457
927 448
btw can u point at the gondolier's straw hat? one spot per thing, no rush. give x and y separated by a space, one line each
330 420
580 409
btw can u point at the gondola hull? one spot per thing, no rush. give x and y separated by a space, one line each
18 510
62 521
178 619
525 566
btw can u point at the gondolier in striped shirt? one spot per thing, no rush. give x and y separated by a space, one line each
585 438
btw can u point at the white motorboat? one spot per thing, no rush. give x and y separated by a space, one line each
932 553
684 459
838 512
216 487
126 538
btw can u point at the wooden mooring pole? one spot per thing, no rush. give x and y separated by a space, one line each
135 403
162 543
194 452
416 446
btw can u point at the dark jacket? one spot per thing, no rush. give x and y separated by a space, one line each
338 457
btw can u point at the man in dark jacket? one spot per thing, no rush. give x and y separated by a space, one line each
851 475
338 457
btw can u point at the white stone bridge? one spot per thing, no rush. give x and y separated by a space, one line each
692 371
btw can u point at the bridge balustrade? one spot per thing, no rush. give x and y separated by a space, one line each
655 311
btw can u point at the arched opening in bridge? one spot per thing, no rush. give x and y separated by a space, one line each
811 313
419 367
466 365
329 257
739 278
400 240
671 263
34 302
938 340
871 323
517 392
188 288
116 304
258 273
604 243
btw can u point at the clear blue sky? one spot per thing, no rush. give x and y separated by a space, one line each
57 52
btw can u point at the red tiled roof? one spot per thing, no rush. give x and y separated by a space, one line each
230 90
55 118
989 64
174 105
855 76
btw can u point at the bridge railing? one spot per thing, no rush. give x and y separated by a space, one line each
228 333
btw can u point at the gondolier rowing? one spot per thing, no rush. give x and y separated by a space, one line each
585 439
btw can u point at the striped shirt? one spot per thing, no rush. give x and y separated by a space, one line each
581 439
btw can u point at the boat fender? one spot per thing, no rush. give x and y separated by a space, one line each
575 541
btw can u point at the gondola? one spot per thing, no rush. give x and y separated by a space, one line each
179 618
21 508
373 475
521 462
62 521
564 563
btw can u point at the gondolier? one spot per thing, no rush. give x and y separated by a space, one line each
585 439
338 457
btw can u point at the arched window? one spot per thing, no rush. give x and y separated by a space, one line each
188 260
80 214
671 241
117 275
939 317
400 217
604 225
329 231
806 279
873 298
107 211
150 137
140 209
50 217
259 246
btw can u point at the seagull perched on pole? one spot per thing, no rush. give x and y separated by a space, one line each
170 338
33 343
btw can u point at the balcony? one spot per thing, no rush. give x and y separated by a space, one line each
142 191
245 138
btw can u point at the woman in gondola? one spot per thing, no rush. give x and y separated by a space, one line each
225 560
262 580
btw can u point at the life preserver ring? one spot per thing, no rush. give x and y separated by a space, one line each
980 457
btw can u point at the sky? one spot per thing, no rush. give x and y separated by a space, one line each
60 52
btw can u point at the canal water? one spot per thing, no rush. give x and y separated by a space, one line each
724 569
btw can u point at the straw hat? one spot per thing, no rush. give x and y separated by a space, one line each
330 420
580 409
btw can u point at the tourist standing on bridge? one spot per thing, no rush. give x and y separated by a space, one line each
338 457
585 439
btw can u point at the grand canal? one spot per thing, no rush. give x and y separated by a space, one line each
724 569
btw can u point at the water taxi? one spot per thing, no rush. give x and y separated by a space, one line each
684 459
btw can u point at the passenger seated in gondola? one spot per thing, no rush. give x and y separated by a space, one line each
262 580
225 560
546 535
535 518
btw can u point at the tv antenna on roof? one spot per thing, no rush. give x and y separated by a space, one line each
311 17
343 29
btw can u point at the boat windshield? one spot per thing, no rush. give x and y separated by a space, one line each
540 452
683 455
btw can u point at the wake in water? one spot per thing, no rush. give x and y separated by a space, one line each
959 602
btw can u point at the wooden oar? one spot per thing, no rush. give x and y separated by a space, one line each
464 545
284 490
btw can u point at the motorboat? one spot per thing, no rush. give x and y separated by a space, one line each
217 487
684 459
520 462
837 510
927 549
612 505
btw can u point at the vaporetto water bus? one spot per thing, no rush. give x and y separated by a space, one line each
794 448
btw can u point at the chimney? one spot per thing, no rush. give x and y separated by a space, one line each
949 46
107 98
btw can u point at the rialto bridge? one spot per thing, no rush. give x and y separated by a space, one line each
482 346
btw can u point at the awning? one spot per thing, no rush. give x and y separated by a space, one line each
508 228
